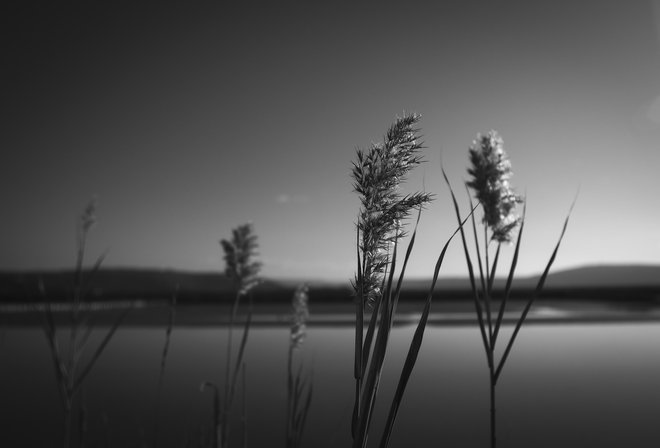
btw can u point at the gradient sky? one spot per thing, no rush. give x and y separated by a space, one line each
189 119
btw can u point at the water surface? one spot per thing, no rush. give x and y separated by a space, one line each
570 384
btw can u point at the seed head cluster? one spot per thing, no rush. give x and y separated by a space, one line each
491 170
240 254
300 315
88 216
377 174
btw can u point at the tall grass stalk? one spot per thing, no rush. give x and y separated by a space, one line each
241 266
490 173
163 361
377 175
244 419
68 352
299 384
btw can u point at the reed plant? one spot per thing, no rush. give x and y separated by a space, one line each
163 362
67 352
490 173
377 174
243 269
299 384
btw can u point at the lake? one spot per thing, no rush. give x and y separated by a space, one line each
568 382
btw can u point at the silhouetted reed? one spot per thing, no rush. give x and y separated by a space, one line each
163 361
490 171
299 385
377 175
241 266
67 353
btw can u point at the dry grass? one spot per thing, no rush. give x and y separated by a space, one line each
299 384
68 352
377 175
242 267
490 171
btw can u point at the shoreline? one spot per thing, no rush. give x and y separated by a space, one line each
443 313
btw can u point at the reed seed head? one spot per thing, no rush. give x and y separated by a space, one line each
491 170
88 216
300 315
377 175
240 253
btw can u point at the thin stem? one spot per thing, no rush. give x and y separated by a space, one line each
413 351
245 421
373 320
476 242
537 291
241 353
67 422
373 373
477 305
359 329
509 281
487 291
289 401
493 431
494 269
161 375
225 410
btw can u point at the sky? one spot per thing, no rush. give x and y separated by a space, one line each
187 119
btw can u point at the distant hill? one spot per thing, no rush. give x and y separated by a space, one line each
596 276
596 281
147 284
607 276
150 284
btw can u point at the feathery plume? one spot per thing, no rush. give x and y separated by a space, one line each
240 252
300 315
491 170
88 216
377 175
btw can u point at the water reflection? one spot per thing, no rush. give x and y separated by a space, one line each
569 385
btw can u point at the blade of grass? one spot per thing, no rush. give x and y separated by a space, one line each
305 412
375 313
372 380
368 340
89 278
405 263
386 328
289 394
509 280
241 351
217 416
245 432
494 269
489 317
82 341
51 336
163 360
359 328
477 305
368 344
484 291
99 350
415 346
476 242
537 291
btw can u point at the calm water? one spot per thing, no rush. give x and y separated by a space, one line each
568 385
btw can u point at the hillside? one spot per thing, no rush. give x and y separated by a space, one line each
636 281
